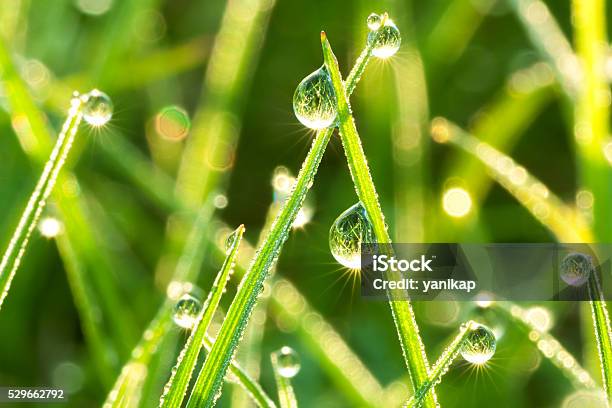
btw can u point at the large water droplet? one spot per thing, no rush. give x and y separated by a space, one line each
314 101
186 311
348 232
97 108
576 268
374 21
288 362
387 40
480 345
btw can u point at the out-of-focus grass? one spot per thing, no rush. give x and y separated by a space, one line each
147 55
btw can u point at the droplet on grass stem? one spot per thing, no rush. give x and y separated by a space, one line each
576 268
386 38
288 362
314 100
480 345
186 311
97 108
374 21
347 233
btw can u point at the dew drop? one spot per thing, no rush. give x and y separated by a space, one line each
347 233
288 362
479 346
387 40
374 21
314 100
97 108
229 241
576 268
186 311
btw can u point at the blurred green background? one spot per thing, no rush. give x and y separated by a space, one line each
471 61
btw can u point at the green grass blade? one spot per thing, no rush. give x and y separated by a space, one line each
210 378
441 366
592 110
86 305
175 389
252 387
563 221
549 40
37 201
546 344
286 395
603 332
208 153
403 316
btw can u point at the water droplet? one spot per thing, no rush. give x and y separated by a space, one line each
98 108
229 241
576 268
314 100
348 232
288 362
50 227
374 21
387 40
186 311
479 346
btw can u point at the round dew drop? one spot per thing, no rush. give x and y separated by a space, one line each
229 241
347 233
576 268
386 40
97 108
374 21
479 346
314 102
288 362
186 311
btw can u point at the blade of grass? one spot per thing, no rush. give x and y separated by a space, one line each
176 387
210 378
603 332
36 140
86 304
403 316
592 110
564 222
286 395
19 241
546 344
549 40
209 150
441 366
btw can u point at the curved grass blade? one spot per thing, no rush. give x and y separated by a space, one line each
403 316
547 345
29 218
210 378
564 222
441 366
175 389
286 395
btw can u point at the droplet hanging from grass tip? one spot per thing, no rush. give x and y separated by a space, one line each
480 345
374 21
314 100
186 311
386 39
288 362
347 233
97 108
